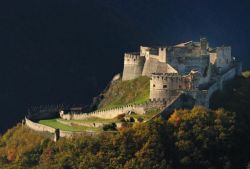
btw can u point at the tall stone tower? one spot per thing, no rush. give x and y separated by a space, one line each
164 86
163 54
133 66
204 46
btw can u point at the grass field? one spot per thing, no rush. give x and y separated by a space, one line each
93 120
126 92
55 124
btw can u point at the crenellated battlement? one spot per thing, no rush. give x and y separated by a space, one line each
133 58
133 66
164 76
131 55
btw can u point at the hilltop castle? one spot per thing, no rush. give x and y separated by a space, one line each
181 76
193 68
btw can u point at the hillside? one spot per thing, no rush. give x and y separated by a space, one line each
197 138
121 93
156 144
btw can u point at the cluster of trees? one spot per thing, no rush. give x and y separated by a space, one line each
189 139
197 138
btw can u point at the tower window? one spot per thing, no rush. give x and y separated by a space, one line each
164 86
153 85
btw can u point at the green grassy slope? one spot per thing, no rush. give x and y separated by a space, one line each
126 92
55 124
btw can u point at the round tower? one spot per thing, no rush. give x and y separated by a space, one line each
164 86
133 66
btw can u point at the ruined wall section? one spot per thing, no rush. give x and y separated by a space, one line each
185 63
163 54
202 97
38 127
42 128
224 58
105 114
133 66
153 65
229 75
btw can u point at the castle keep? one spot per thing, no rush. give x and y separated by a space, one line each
193 68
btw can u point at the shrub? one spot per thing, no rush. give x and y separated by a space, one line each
131 119
126 125
121 117
140 120
109 127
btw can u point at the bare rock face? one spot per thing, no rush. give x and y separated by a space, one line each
97 100
116 77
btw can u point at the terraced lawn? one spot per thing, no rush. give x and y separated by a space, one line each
94 120
55 124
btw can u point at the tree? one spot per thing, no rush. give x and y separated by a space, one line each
199 133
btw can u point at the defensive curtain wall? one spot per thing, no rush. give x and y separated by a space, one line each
114 112
31 123
181 100
203 97
133 66
152 65
56 132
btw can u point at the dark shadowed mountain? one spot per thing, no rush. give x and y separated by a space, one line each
66 51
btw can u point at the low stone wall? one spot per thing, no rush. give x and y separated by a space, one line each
175 103
86 124
204 96
229 75
105 114
43 128
112 113
69 134
38 127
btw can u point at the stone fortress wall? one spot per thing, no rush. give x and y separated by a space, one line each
176 75
114 112
172 68
133 66
203 97
152 65
106 114
60 133
163 86
38 127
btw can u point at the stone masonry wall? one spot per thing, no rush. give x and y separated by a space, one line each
42 128
38 127
133 66
112 113
105 114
